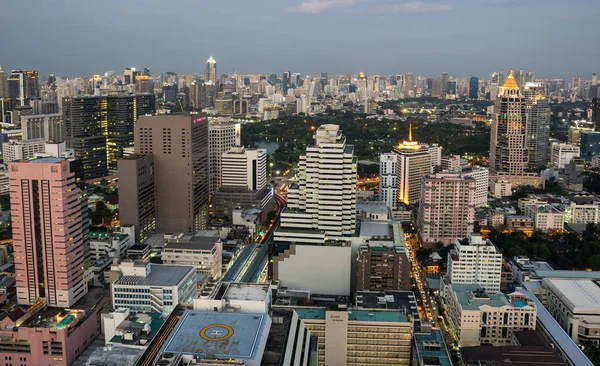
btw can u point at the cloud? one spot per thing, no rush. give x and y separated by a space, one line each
319 6
415 7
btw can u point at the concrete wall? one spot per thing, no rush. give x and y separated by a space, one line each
322 270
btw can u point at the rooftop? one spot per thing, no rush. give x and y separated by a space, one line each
222 335
472 296
580 295
114 356
160 275
431 349
511 355
370 229
390 316
135 323
247 292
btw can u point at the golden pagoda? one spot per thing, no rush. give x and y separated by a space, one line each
510 84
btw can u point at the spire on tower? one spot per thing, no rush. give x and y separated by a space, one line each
510 83
410 132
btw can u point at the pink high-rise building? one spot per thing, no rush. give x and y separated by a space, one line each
50 231
446 208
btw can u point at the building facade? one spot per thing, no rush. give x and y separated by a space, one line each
413 162
447 208
537 109
223 134
388 179
475 260
44 126
244 168
383 268
179 145
562 153
482 182
50 231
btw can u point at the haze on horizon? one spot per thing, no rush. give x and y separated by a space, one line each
554 38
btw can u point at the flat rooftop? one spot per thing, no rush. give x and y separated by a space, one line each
247 292
580 295
355 315
594 275
221 335
370 229
472 296
160 275
431 349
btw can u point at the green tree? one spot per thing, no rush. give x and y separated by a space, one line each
5 202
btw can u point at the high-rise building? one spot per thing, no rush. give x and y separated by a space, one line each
51 234
223 134
23 85
473 87
538 124
137 195
246 168
596 113
210 72
589 145
509 153
388 179
413 162
562 153
382 268
409 85
44 126
86 133
475 260
179 145
482 182
286 81
446 209
445 78
3 84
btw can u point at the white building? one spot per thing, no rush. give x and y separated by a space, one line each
450 163
246 168
545 217
43 126
19 150
388 183
575 304
323 202
479 318
202 251
500 188
582 213
482 182
223 134
475 260
435 151
142 286
243 297
561 154
114 244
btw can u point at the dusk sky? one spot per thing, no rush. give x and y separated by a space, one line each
554 38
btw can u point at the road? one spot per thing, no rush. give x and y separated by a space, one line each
424 302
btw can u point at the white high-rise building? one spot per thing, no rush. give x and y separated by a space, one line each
324 199
435 151
242 167
561 154
475 260
223 134
482 182
413 162
388 180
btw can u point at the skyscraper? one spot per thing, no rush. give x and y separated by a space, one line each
223 134
446 208
508 146
596 113
179 145
388 179
85 126
414 161
538 124
473 87
244 168
3 84
22 85
445 79
50 226
286 81
210 73
409 87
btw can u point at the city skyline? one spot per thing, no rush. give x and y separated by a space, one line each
311 36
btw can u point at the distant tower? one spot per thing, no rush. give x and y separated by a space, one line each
594 78
3 84
538 123
508 144
413 162
473 87
211 70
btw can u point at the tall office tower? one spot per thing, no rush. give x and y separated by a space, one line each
22 85
120 118
382 268
530 76
286 81
446 209
473 87
445 79
324 79
521 78
501 77
85 126
538 124
413 162
475 260
388 180
508 146
436 88
209 93
244 168
137 197
3 84
324 199
482 182
210 72
596 113
143 84
49 101
45 126
409 87
223 134
146 71
179 145
50 227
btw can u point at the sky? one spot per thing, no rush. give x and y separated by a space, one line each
554 38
